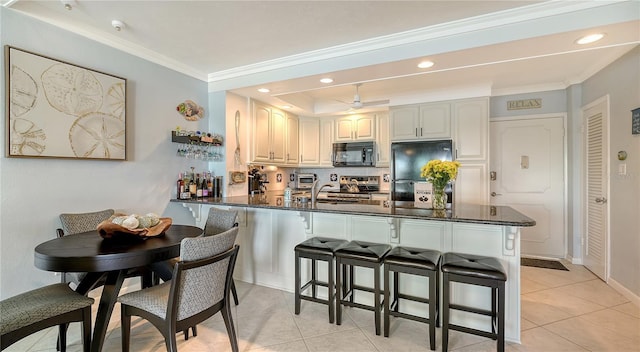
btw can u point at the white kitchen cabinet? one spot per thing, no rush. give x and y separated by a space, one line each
269 143
471 129
420 121
383 144
355 128
326 142
309 137
316 142
472 184
292 146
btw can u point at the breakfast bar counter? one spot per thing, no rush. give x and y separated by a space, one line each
464 213
270 228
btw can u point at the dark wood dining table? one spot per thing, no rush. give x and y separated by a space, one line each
108 260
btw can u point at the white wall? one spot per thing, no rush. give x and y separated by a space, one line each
35 191
621 81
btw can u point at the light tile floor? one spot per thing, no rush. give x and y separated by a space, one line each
561 311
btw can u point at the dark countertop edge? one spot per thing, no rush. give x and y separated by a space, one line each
521 221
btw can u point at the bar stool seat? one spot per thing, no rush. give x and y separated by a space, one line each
362 254
316 248
474 270
414 261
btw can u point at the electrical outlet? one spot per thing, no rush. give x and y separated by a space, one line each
622 169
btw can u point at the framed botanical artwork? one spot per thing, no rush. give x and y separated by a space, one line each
55 109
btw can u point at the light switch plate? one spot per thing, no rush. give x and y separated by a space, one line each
622 169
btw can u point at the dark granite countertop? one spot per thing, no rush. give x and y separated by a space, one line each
465 213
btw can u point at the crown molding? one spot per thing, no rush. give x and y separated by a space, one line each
469 25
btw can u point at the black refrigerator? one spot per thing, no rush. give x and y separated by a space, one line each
407 159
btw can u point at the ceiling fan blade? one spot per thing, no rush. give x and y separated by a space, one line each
375 102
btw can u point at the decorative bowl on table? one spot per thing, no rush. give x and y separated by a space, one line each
133 226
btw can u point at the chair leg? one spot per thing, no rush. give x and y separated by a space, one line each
340 290
62 337
376 297
386 300
314 291
445 313
234 292
231 331
432 311
297 283
125 324
330 290
194 331
86 329
501 308
171 343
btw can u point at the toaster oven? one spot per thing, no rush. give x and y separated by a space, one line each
305 181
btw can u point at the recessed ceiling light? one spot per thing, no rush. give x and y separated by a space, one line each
326 80
587 39
117 25
425 64
286 106
263 90
68 4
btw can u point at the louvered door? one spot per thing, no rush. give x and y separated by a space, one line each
596 162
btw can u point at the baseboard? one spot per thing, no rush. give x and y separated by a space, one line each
576 261
635 299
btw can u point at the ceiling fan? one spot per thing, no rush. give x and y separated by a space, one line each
357 103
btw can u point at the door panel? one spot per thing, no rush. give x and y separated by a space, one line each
596 161
528 158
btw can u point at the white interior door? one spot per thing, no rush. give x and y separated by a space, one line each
528 158
597 180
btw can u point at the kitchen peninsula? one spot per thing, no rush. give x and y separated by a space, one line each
270 228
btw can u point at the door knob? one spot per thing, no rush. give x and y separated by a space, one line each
493 194
601 200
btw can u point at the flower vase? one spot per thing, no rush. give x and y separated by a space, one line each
439 199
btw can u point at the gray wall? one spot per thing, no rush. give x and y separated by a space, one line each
621 81
34 191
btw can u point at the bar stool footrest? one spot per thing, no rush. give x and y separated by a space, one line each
477 332
471 310
410 317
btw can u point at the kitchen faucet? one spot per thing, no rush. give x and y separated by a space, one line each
314 193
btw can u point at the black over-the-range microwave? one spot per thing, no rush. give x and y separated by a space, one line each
354 154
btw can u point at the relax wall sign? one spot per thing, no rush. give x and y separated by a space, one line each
524 104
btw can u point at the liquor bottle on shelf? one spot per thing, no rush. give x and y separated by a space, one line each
198 187
205 190
180 187
210 184
193 188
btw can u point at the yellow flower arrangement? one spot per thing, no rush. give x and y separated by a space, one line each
439 172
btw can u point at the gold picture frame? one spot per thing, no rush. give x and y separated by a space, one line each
55 109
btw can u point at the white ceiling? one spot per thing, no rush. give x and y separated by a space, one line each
479 47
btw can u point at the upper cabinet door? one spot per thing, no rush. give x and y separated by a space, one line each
404 123
435 121
309 141
356 128
344 130
261 144
471 129
293 148
365 128
278 136
384 145
326 142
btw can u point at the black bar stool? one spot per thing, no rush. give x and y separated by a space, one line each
363 254
317 248
414 261
474 270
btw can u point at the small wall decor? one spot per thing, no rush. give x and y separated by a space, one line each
635 121
190 110
59 110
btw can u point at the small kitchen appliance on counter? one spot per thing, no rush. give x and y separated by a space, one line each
257 181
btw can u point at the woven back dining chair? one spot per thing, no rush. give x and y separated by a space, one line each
76 223
41 308
220 220
199 288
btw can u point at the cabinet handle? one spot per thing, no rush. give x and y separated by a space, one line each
420 131
417 132
300 158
